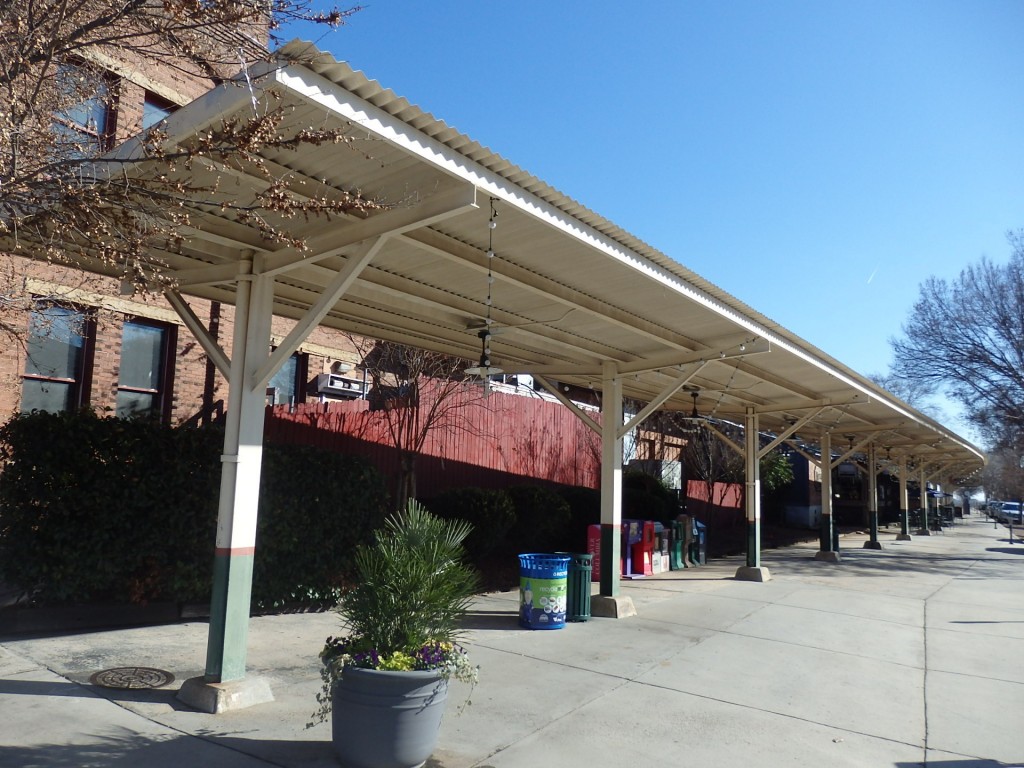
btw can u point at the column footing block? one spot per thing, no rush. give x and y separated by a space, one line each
872 545
753 573
216 698
903 537
827 556
618 607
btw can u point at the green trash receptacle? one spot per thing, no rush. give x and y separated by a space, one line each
581 566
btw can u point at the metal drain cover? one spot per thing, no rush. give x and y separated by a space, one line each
132 677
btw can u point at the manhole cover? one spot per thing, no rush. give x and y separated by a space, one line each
132 677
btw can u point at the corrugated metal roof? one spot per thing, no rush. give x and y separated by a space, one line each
572 290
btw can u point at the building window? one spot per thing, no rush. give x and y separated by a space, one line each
84 126
144 380
155 108
287 386
57 362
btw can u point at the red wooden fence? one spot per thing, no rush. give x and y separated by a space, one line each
485 443
488 443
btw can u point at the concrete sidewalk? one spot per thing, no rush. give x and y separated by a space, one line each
907 656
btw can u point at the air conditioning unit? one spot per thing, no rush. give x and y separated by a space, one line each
338 385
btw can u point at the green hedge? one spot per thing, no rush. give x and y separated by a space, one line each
104 509
315 507
490 512
542 519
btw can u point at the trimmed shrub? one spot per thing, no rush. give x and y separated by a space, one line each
584 510
316 506
542 519
105 509
646 497
490 512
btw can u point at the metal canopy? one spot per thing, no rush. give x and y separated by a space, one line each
572 291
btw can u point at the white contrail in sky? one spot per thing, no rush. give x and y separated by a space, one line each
872 275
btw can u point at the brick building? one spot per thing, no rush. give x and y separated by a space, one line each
77 339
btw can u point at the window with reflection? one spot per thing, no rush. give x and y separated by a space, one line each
144 380
84 123
286 386
58 351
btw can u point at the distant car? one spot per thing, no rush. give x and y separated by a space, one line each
1009 512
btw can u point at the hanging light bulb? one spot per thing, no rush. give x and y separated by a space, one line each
484 369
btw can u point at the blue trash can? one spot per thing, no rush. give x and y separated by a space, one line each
543 582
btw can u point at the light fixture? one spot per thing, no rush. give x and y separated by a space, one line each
484 369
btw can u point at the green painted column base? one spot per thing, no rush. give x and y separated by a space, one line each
229 616
826 534
611 536
753 544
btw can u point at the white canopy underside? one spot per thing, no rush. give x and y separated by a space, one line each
572 291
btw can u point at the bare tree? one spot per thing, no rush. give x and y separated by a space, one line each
420 395
63 193
965 338
1003 476
709 460
913 392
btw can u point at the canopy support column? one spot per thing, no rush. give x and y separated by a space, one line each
924 530
872 542
904 534
225 686
752 571
828 551
610 603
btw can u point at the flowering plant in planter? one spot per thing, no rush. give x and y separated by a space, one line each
402 613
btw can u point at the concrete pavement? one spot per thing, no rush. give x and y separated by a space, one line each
912 655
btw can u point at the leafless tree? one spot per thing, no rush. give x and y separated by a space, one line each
420 395
965 337
62 193
1003 476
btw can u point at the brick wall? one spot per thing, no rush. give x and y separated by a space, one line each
199 391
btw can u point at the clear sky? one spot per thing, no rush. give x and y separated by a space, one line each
815 159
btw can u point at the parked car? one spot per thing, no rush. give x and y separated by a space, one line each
1009 512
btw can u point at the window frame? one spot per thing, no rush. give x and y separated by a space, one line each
81 385
165 378
102 138
301 375
166 107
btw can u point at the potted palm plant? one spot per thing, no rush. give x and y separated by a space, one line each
386 678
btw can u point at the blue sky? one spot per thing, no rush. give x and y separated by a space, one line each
816 160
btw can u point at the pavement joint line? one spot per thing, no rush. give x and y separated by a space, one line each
976 677
849 615
818 648
785 715
924 684
624 681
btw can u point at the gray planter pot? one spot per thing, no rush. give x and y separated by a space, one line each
386 719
